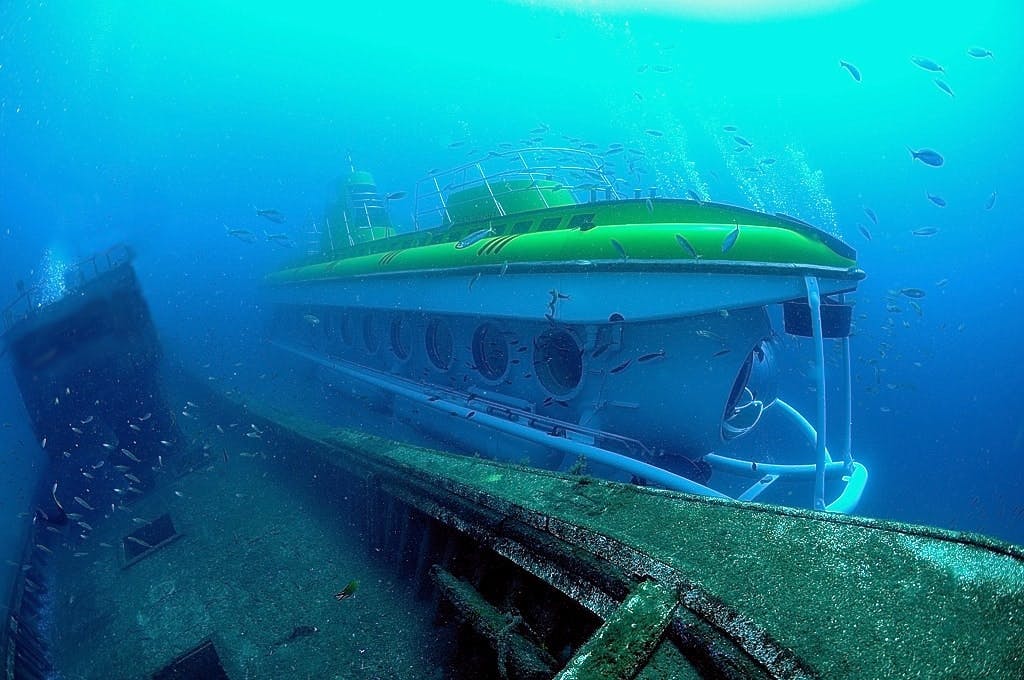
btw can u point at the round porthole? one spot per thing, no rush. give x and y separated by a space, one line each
401 337
371 334
558 361
490 351
440 344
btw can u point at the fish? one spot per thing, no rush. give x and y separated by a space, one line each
130 455
311 319
135 427
274 216
108 446
146 416
651 356
926 231
662 69
941 282
694 196
979 52
473 238
132 477
687 246
654 133
915 293
853 70
721 353
243 235
395 196
619 249
742 141
871 215
864 231
297 632
927 156
83 503
456 145
730 128
937 200
990 202
44 548
76 430
621 367
138 541
166 443
767 161
944 86
254 435
348 591
86 420
927 64
85 525
730 239
43 443
88 475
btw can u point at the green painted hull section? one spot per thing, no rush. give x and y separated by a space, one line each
634 231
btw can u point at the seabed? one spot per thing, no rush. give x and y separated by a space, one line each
473 568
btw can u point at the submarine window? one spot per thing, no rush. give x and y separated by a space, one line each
371 333
440 344
490 351
549 224
582 222
558 361
521 227
401 337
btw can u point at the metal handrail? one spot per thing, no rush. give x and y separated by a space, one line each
563 165
27 303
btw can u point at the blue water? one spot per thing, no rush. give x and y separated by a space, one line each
159 126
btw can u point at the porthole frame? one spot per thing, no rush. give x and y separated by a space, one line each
434 325
542 371
478 351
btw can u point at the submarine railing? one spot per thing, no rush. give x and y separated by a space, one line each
76 275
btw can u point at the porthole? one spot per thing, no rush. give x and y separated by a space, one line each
490 351
439 343
558 361
401 337
371 334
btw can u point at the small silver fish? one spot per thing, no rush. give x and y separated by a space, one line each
871 215
927 156
944 86
81 501
85 525
730 239
927 64
685 245
145 417
619 249
937 200
979 52
139 541
131 456
132 477
926 231
474 237
135 427
853 70
990 202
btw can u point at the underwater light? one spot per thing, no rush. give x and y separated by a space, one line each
711 9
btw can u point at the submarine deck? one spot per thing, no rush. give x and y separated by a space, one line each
681 586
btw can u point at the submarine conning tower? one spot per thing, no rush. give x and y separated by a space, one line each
359 213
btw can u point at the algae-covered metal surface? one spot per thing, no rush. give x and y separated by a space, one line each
850 597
